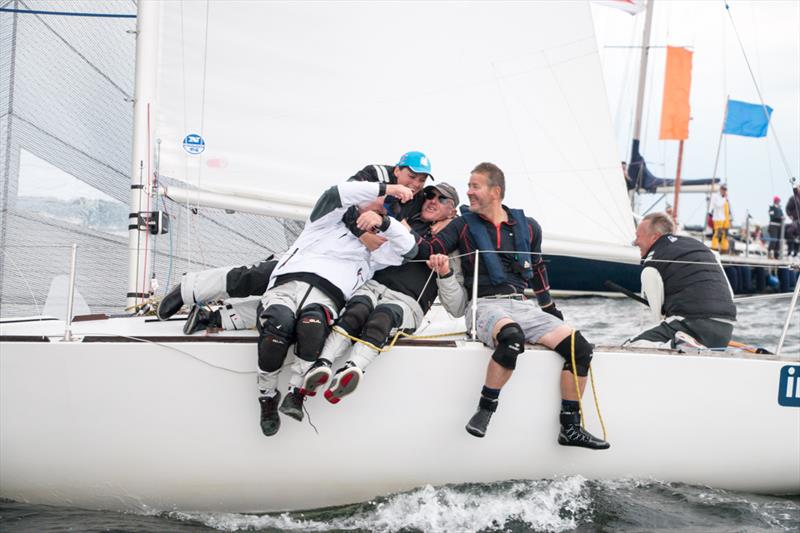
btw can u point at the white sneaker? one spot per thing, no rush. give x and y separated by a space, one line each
345 381
684 340
316 377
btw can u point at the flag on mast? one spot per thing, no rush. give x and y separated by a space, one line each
675 104
747 120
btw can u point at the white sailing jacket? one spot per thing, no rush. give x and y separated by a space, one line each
327 249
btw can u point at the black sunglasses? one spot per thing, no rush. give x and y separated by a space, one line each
431 194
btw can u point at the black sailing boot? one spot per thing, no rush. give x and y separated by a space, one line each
270 420
572 434
479 422
170 304
293 404
200 318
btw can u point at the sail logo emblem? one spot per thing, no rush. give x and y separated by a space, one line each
194 144
789 386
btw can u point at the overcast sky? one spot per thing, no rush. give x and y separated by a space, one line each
770 32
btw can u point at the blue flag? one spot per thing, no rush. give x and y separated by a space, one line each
748 120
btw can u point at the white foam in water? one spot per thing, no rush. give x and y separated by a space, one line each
550 505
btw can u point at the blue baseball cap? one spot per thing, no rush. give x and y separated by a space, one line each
416 161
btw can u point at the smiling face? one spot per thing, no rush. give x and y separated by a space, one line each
407 177
482 196
436 207
645 237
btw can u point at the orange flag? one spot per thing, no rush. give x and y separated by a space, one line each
675 107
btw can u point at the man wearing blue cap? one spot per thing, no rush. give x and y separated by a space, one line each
412 170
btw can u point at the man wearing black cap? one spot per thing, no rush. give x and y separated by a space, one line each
396 298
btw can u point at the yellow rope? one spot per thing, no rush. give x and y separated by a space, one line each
388 347
578 390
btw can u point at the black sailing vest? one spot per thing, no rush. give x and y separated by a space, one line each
697 289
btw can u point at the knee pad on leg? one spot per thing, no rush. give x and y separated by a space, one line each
313 326
583 354
510 343
276 328
355 315
380 323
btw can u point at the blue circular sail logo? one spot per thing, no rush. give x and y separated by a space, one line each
194 144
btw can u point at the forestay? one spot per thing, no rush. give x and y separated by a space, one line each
290 98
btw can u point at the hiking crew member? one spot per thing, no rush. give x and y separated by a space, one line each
199 288
313 280
685 286
395 298
506 319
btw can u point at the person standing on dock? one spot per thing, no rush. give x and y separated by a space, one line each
721 216
685 287
775 223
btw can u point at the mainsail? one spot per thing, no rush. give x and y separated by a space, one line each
292 97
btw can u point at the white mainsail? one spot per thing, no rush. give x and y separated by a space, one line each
292 97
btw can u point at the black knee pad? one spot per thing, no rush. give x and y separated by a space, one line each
276 333
355 315
583 353
510 343
380 323
313 326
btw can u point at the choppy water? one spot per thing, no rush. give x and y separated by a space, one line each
553 505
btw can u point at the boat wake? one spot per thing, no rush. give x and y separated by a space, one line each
550 505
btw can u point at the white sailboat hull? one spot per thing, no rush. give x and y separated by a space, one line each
129 425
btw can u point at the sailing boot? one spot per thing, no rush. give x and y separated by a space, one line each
572 434
479 422
270 420
317 376
201 318
170 304
344 382
293 404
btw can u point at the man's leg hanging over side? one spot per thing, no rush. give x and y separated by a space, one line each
572 434
276 326
379 324
312 328
510 343
351 321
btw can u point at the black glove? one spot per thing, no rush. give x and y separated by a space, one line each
551 310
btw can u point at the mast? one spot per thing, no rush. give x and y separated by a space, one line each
677 183
637 123
146 61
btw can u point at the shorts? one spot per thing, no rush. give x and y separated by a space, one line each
534 322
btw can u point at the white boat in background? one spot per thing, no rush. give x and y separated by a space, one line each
288 98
